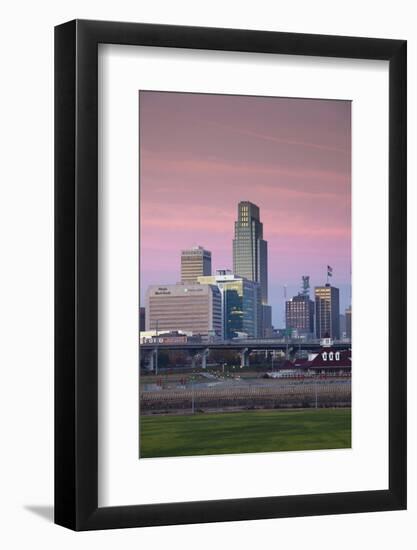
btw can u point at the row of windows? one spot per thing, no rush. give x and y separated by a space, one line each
332 356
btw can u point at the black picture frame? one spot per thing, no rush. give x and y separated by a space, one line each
76 273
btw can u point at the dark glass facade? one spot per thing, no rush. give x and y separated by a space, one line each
348 316
327 311
241 305
142 317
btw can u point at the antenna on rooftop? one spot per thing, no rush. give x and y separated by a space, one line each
305 286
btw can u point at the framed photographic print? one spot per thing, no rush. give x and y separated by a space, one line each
224 199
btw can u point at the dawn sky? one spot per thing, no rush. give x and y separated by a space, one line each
202 154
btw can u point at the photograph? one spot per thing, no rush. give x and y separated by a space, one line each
194 199
245 313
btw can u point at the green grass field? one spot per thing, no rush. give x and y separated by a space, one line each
245 432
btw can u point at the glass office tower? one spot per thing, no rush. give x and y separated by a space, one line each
250 251
327 311
241 304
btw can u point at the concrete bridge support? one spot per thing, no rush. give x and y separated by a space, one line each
151 359
204 356
244 358
291 352
194 359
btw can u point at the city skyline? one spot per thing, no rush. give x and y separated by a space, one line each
201 155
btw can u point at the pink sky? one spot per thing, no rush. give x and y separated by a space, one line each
202 154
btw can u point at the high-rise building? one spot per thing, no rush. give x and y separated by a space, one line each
142 317
348 317
327 311
241 304
195 262
189 308
266 321
250 251
342 325
299 314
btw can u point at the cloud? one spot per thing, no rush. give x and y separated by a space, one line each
154 163
281 141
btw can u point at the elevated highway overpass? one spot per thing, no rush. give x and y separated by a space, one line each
243 347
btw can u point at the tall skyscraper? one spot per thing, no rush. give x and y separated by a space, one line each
195 262
299 314
241 304
327 311
250 251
